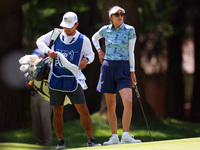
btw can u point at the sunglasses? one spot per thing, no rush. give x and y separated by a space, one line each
117 15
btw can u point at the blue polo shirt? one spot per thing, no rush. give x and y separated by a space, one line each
117 41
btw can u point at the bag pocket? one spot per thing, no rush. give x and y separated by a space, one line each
63 83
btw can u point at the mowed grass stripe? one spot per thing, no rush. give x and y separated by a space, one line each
179 144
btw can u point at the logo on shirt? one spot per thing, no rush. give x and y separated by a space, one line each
69 55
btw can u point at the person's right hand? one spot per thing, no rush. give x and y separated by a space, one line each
101 55
133 78
51 53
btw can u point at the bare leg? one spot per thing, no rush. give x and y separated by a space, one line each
58 121
85 119
111 107
126 95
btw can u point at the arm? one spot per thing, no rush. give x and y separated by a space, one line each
43 44
131 54
88 54
132 61
95 39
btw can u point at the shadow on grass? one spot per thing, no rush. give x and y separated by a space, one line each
169 129
75 135
160 130
15 146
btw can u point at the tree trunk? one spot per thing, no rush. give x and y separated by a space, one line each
175 88
195 110
13 100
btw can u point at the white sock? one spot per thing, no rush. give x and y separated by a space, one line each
124 134
115 135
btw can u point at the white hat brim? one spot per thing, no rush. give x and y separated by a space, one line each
115 9
67 25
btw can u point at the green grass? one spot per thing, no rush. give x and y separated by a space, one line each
75 136
180 144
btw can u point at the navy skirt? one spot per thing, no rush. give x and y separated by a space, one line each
114 76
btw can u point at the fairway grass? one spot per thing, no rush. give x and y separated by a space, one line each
178 144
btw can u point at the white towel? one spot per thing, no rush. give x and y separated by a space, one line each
74 69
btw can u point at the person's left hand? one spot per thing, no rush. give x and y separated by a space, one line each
133 78
83 64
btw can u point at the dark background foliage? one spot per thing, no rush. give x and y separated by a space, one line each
161 28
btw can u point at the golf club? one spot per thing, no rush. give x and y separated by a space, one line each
138 96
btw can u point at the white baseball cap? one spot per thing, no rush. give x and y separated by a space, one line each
115 9
69 19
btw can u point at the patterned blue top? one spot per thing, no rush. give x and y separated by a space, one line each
117 41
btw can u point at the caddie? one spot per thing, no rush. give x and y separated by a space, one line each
77 49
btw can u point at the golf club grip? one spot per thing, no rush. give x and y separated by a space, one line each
136 90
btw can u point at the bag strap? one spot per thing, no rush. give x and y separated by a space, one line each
41 89
54 36
56 32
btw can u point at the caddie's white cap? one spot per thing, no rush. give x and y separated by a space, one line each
115 9
69 19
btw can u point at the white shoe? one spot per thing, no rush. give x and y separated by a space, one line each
112 140
129 139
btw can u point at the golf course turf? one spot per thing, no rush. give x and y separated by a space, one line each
178 144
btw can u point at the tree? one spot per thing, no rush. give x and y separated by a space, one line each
175 88
13 101
195 110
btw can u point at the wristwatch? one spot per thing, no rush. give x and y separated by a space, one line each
87 59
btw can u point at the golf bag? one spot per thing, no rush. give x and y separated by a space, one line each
37 70
44 71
